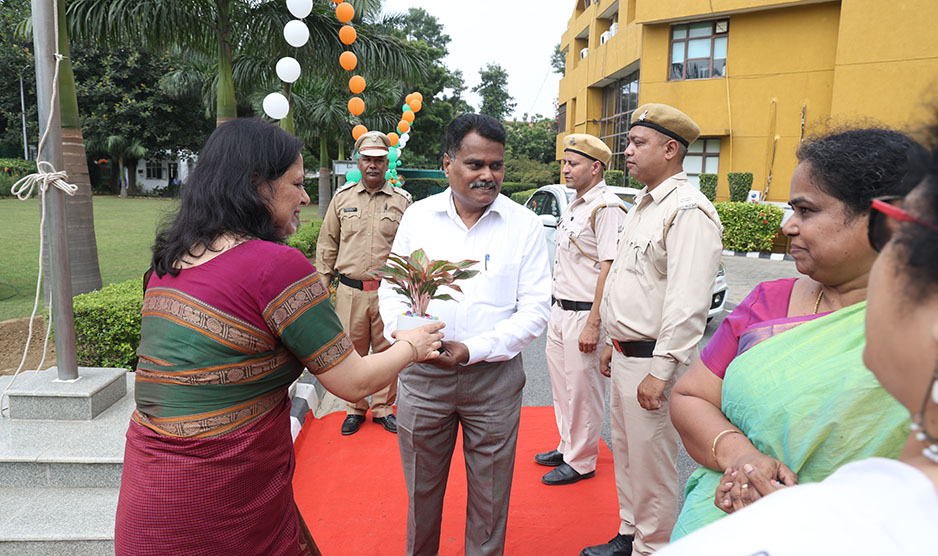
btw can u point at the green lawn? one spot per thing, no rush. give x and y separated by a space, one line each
125 229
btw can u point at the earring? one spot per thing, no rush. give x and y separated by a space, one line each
918 424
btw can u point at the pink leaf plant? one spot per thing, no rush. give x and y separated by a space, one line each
418 278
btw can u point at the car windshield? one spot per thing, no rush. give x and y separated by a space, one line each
627 197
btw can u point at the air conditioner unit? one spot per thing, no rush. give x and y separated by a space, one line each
584 52
604 37
613 29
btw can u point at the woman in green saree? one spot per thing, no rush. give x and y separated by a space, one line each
782 386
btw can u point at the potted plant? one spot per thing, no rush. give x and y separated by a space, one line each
419 279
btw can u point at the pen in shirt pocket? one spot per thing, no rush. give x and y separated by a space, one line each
487 261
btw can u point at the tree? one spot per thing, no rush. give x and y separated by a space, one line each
493 88
535 140
558 60
16 63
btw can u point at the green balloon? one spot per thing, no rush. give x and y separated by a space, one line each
406 108
388 175
399 162
353 175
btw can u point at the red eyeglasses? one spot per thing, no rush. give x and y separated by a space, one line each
880 231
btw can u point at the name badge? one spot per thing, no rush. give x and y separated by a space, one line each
352 209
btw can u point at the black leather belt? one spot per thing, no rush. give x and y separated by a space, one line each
641 348
572 305
364 285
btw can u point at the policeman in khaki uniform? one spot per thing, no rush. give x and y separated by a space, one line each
586 245
654 310
356 237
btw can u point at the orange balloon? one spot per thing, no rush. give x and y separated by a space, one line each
394 138
415 105
356 84
417 96
408 98
358 131
356 106
409 116
338 1
348 61
403 126
347 34
345 12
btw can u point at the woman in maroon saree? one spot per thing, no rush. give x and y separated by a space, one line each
231 317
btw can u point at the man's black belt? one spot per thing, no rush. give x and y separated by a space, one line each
641 348
365 285
572 305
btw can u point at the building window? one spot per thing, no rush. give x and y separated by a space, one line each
703 157
562 118
620 99
154 170
698 50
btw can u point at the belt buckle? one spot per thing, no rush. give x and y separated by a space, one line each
370 285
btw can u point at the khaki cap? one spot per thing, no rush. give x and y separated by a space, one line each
373 143
668 120
589 146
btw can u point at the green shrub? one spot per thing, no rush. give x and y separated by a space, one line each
635 184
306 237
521 196
107 325
525 170
749 226
708 186
420 188
614 177
740 184
311 185
11 171
510 188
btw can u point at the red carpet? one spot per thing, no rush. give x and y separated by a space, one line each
351 492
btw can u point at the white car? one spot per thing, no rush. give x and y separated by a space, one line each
549 202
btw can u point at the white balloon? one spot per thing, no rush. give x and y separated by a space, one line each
402 143
405 136
296 33
276 106
300 8
288 69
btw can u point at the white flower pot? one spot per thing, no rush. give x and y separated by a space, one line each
409 322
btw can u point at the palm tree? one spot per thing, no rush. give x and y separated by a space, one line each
127 151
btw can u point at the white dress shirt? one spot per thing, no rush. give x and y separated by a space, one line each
504 307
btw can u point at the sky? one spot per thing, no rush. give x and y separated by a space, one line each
518 35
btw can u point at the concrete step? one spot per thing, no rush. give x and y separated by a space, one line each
57 522
71 454
40 395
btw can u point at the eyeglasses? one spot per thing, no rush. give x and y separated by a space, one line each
880 231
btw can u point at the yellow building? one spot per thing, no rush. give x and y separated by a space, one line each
756 75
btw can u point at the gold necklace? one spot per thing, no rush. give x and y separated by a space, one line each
817 303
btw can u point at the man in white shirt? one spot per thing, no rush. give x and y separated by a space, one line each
477 381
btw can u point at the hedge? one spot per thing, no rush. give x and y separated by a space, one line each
749 226
635 184
107 325
311 185
11 171
614 177
740 184
521 196
306 237
708 186
420 188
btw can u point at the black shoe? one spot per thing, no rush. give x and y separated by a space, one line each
565 475
552 458
389 422
620 545
351 423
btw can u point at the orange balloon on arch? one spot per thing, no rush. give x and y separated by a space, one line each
394 138
417 96
408 116
356 106
348 60
345 12
408 98
358 131
347 34
415 105
356 84
403 126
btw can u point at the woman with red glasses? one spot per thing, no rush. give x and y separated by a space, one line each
875 506
781 387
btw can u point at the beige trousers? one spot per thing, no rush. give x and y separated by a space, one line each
579 389
644 448
358 311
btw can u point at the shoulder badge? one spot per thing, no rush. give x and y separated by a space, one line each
346 186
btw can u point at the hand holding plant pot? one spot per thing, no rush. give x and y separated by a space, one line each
419 279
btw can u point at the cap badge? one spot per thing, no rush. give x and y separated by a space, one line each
642 117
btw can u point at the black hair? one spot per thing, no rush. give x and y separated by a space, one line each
855 166
486 126
918 245
223 194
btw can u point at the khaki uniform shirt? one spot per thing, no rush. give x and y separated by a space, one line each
576 271
661 282
358 230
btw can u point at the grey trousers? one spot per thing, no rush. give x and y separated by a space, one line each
485 399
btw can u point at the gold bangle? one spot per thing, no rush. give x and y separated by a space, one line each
713 448
412 347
